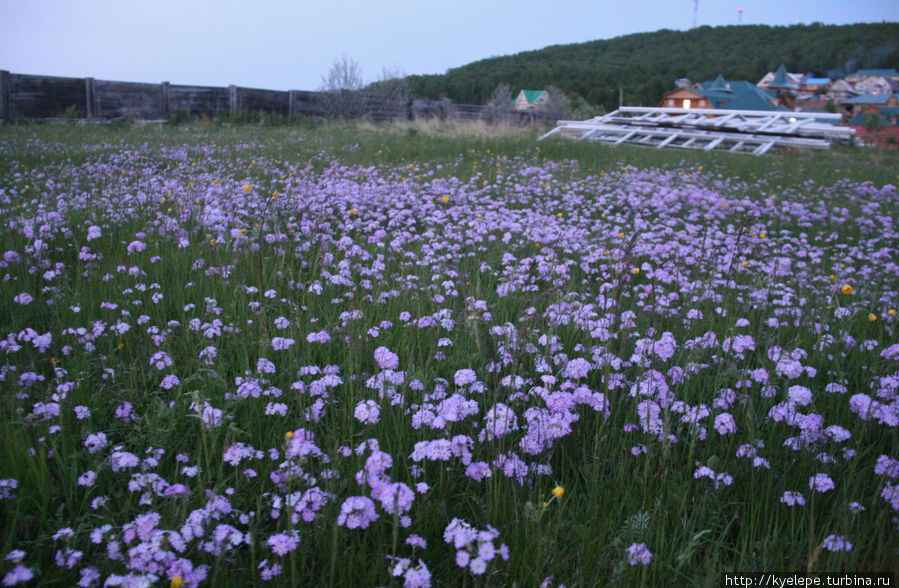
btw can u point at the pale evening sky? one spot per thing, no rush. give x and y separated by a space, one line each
284 44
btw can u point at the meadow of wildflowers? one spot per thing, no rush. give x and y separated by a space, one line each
259 358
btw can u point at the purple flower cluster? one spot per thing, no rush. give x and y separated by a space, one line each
474 549
196 302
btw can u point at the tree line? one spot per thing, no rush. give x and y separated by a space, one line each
645 65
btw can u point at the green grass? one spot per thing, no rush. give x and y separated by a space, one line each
345 182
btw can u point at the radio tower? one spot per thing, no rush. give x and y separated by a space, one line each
695 13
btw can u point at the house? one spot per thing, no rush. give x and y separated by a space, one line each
841 90
794 78
531 100
863 74
876 85
890 114
811 85
784 88
852 107
719 94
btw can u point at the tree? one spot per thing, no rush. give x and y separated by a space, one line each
556 103
500 104
391 92
341 89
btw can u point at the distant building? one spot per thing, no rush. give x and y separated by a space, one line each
812 86
890 114
783 88
841 90
794 79
876 85
531 100
863 74
852 108
719 94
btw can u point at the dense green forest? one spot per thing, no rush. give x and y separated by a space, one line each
645 65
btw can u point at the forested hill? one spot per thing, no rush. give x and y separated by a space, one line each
645 65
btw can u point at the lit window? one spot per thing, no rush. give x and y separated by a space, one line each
687 103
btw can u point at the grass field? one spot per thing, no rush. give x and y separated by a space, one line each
445 355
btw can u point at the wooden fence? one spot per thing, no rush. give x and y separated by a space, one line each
27 97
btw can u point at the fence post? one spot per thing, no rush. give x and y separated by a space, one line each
166 101
232 99
90 98
291 98
4 95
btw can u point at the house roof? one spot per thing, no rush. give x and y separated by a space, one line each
532 95
781 78
867 99
735 95
720 84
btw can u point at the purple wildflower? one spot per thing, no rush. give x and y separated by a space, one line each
386 359
638 554
820 483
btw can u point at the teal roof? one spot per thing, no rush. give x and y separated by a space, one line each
720 85
533 95
737 95
781 79
867 99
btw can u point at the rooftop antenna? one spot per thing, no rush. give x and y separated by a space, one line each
739 16
695 13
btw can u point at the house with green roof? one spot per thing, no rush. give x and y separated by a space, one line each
720 94
783 77
879 103
888 114
531 100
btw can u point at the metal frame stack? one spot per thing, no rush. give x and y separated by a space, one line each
742 131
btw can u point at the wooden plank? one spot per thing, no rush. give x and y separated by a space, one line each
198 100
668 140
625 137
128 100
45 96
253 100
4 95
166 100
90 98
764 148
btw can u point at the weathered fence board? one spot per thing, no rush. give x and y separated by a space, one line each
128 100
305 103
45 96
30 97
252 99
198 100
